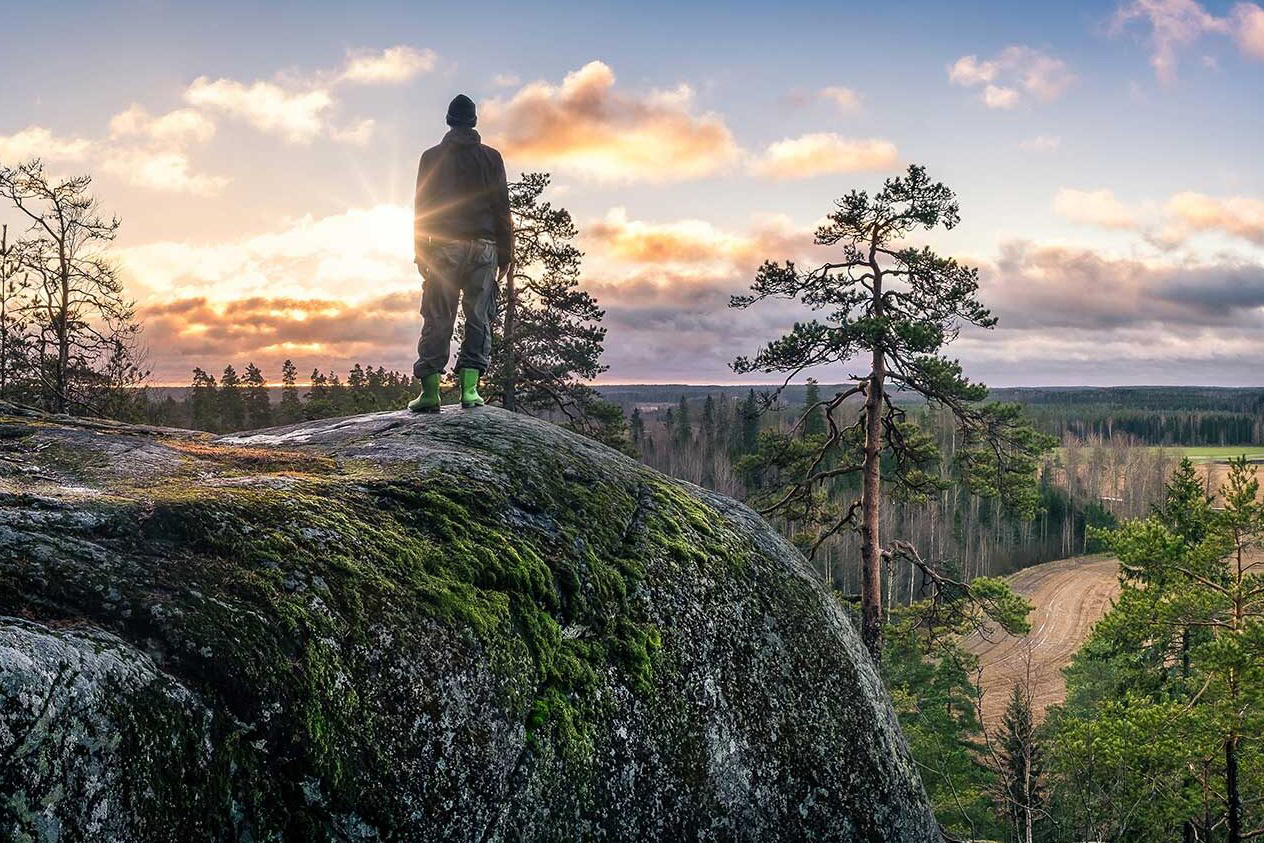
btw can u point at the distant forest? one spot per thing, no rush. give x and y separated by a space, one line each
1154 415
1148 415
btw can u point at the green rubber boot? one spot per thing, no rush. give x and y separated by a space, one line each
428 401
469 389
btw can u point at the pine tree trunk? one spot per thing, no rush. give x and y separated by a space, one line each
63 343
1234 797
63 338
870 549
1027 812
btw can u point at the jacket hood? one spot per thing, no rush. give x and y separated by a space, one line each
462 136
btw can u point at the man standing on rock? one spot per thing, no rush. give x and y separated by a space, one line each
463 242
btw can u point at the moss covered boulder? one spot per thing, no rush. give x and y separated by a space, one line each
465 627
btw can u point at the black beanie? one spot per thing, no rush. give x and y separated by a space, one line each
461 114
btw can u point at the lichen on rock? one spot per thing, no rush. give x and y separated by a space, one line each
471 626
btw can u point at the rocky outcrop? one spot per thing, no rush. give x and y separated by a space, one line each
466 627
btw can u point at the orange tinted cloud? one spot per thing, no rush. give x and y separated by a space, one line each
389 66
1249 29
1167 225
822 153
586 126
1238 216
691 241
298 116
198 332
38 142
1094 207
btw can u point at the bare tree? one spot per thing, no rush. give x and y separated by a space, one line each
84 333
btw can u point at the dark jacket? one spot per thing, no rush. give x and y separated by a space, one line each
462 194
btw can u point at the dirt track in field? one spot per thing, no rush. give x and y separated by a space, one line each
1070 595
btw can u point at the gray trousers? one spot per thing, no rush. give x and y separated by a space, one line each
465 270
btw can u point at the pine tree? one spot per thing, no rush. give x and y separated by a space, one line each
684 427
750 424
316 401
709 424
547 338
376 388
258 404
1022 767
895 307
204 402
637 427
358 397
291 409
1167 694
339 397
232 409
1186 504
813 423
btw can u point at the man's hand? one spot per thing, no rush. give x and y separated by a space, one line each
505 272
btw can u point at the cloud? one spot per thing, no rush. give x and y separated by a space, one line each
179 127
1248 29
143 151
325 290
1016 71
1042 143
296 116
166 170
671 325
822 153
38 142
1170 223
845 99
586 126
1175 24
357 250
1237 216
998 96
300 107
390 66
692 242
506 80
324 332
665 287
1094 207
150 152
1035 286
1069 315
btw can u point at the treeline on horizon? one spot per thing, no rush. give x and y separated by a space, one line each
1152 415
246 400
1162 415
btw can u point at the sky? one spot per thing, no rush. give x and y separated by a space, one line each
262 157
